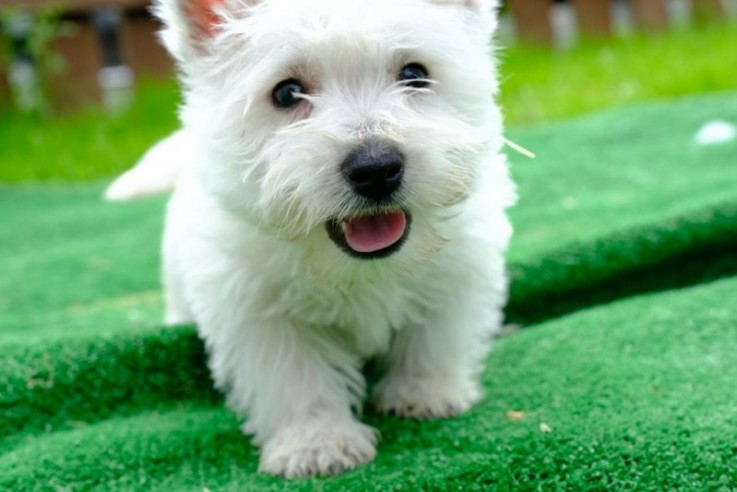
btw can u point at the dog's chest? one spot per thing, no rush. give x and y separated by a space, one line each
366 310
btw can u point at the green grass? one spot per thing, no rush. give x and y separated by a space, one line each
538 86
87 145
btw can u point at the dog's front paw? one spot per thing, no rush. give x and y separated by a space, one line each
425 397
324 447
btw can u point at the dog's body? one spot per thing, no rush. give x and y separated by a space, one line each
358 213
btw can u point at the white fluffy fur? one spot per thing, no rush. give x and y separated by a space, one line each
287 317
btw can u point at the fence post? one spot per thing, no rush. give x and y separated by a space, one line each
532 21
142 49
77 85
650 15
594 17
708 9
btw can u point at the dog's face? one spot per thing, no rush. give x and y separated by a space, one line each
356 122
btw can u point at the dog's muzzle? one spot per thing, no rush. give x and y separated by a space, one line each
374 171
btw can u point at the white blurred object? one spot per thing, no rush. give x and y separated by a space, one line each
25 85
563 19
731 7
22 73
117 87
680 11
715 132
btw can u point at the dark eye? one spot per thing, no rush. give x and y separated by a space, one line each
286 93
414 75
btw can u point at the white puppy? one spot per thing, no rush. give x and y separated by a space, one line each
340 195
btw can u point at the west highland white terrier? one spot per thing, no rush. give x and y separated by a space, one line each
339 195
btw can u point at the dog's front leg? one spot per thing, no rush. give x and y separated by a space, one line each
433 368
298 386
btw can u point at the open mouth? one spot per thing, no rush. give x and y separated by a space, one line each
371 236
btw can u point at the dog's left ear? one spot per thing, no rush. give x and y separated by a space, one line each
190 25
202 16
482 13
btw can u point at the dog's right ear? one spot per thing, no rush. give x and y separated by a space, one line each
190 25
479 13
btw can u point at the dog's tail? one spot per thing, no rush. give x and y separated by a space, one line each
157 172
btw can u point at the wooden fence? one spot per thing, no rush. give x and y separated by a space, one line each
109 33
595 17
104 33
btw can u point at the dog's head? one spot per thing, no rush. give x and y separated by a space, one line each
354 121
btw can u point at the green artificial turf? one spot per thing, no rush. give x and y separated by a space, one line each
93 266
638 395
634 377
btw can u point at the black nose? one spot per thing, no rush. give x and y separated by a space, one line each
374 172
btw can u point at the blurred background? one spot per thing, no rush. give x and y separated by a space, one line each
85 86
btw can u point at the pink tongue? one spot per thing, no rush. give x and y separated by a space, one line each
374 233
